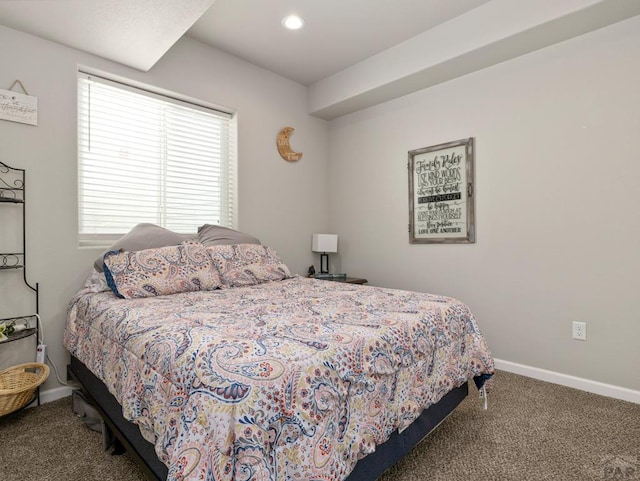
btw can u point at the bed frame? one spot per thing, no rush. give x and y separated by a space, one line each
127 435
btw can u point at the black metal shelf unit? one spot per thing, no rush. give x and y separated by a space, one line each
12 193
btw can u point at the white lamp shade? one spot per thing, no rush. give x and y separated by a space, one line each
324 243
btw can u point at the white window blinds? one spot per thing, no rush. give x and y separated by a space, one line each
144 157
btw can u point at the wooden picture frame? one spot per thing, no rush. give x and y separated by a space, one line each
441 193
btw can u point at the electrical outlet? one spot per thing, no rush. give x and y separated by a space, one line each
580 330
41 354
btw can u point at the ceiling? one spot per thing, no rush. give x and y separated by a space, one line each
338 33
352 54
136 33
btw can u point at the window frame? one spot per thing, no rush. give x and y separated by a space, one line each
226 164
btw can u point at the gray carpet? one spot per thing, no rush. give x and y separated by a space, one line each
532 431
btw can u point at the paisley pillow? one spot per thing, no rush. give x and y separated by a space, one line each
247 264
144 236
160 271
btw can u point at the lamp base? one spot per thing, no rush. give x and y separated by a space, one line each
324 263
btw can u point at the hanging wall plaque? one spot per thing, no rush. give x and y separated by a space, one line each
17 107
284 147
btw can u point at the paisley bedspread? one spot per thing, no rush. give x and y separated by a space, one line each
288 380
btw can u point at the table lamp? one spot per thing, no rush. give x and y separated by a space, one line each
324 243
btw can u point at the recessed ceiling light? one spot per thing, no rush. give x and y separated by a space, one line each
293 22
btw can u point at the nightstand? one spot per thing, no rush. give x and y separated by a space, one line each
348 280
341 278
355 280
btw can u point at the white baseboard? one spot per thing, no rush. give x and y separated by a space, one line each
588 385
54 394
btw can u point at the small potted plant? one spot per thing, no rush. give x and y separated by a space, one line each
6 329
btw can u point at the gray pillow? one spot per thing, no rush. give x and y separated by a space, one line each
144 236
216 235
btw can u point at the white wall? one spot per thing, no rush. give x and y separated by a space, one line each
557 180
278 200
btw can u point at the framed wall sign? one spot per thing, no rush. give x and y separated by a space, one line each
441 195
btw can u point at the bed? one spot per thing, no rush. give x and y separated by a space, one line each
263 375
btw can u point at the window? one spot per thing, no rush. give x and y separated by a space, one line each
146 157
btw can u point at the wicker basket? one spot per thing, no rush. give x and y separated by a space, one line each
18 385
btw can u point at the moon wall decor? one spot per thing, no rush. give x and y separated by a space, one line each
284 148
